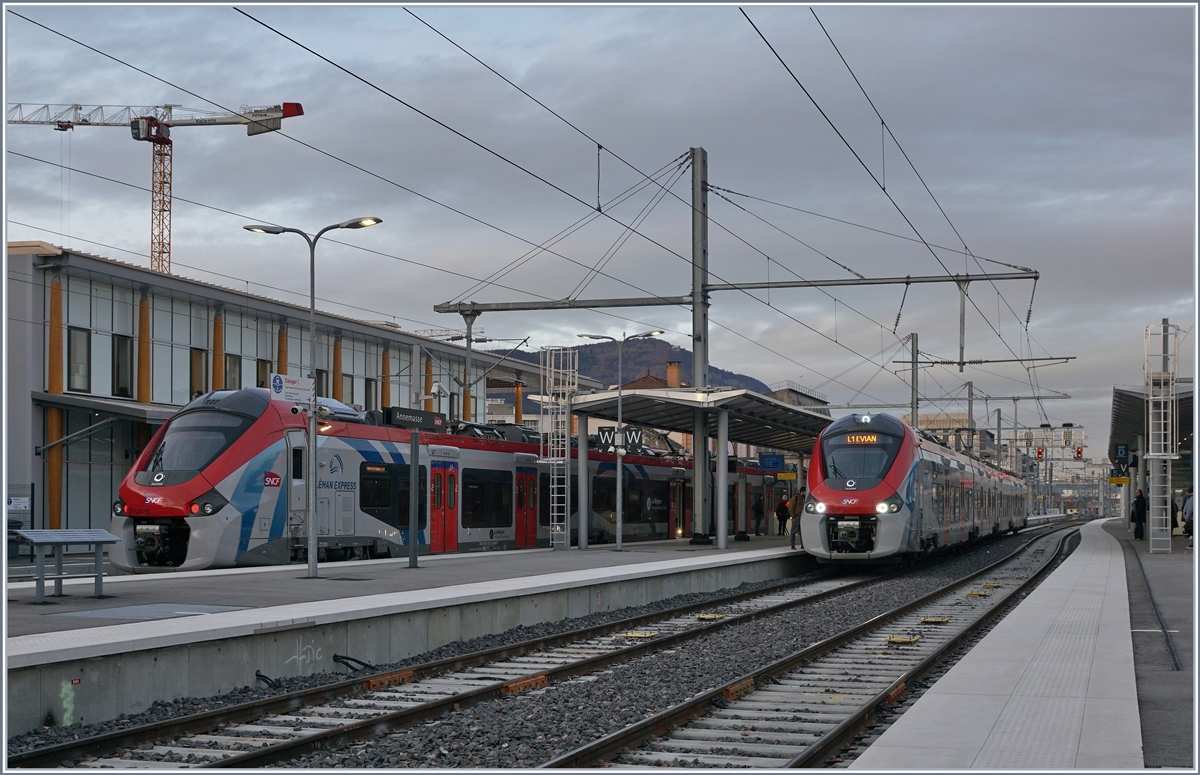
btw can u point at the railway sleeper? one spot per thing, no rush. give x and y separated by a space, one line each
668 759
739 737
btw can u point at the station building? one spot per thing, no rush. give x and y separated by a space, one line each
99 352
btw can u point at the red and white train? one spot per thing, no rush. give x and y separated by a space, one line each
223 484
878 490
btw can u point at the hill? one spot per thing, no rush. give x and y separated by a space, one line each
599 361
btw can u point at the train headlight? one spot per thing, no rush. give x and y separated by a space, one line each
207 504
820 507
889 506
119 508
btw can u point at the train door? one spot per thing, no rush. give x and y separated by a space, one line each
443 506
527 513
297 445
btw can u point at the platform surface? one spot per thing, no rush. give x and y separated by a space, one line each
1052 686
171 608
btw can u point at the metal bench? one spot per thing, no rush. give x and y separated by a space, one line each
40 539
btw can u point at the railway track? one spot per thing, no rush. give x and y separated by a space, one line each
801 711
279 728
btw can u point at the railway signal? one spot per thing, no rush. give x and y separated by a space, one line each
1079 453
152 124
1039 453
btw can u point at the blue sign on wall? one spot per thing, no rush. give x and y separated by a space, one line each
770 462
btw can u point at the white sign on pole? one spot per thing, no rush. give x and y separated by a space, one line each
294 390
18 504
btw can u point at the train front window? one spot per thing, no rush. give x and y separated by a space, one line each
863 458
195 439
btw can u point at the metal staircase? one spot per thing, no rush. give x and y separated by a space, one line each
560 382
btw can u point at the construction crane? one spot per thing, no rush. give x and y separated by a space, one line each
152 124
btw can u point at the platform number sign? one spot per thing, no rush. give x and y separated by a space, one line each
1122 453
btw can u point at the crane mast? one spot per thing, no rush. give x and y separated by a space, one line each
152 124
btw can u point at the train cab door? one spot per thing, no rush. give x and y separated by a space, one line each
526 507
297 478
443 506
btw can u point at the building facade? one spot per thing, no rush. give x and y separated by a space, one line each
100 352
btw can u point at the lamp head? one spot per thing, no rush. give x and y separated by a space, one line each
260 229
359 223
655 332
595 336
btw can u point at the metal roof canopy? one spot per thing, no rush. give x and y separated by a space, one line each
1129 419
753 418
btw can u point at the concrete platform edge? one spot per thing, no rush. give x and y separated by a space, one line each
100 673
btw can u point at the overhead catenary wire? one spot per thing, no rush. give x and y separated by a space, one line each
500 156
871 174
382 178
631 166
913 167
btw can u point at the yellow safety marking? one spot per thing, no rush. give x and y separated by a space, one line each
978 594
524 684
390 679
709 617
836 698
991 585
904 639
934 619
639 635
744 686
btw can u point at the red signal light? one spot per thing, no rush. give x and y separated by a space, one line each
1079 453
1039 453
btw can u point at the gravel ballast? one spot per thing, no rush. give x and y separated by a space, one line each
527 730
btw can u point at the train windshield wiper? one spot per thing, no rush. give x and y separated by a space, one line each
156 461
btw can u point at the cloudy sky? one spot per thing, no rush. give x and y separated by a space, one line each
1060 139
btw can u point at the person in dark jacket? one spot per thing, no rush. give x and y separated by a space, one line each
781 514
796 507
1138 516
757 510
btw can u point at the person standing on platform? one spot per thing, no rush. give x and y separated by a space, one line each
757 509
1188 513
781 514
1138 516
797 508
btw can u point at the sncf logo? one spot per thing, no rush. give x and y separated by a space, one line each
849 501
272 479
153 501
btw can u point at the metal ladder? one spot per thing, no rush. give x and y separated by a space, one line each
1162 420
560 382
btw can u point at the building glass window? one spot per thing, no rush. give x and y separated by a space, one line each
370 401
122 366
348 389
233 372
79 360
264 373
322 383
198 381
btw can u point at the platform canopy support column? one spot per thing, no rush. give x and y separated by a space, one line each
721 512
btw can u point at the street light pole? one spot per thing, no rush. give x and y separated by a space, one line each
620 428
357 223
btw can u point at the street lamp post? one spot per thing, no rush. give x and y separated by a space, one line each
356 223
620 428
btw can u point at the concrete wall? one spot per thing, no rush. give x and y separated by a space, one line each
102 688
